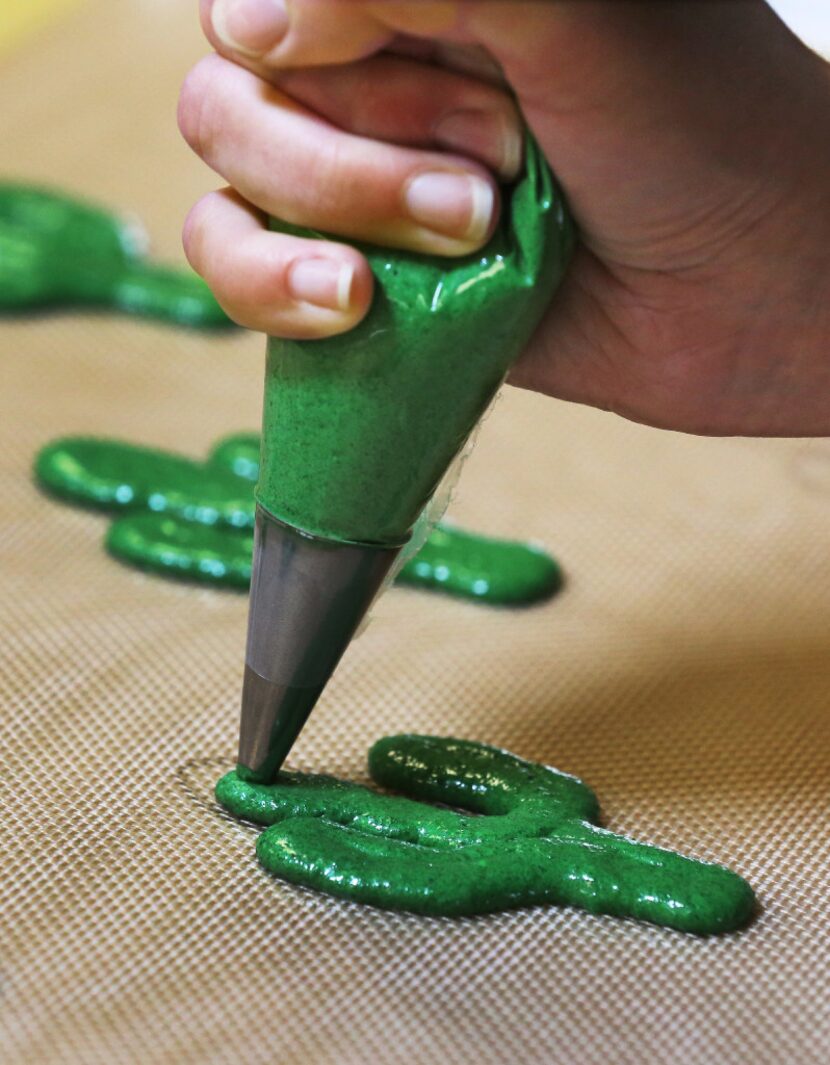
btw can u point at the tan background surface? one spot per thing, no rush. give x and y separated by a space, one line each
19 20
684 673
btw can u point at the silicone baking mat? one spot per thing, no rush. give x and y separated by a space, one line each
684 672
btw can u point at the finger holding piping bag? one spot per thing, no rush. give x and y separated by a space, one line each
689 167
353 186
271 282
373 162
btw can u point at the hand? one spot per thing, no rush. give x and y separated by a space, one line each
538 841
693 142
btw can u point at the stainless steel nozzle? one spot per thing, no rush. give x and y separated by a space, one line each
308 596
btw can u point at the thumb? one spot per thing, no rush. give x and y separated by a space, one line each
289 33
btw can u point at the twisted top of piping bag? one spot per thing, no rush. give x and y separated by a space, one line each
358 429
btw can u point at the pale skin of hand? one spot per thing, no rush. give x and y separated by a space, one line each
692 140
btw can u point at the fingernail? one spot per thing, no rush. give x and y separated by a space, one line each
484 134
454 205
250 27
323 282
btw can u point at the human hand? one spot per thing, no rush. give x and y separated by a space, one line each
692 141
537 842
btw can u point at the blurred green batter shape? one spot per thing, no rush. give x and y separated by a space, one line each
56 251
522 834
194 520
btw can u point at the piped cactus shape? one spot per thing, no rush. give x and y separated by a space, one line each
57 251
508 833
193 520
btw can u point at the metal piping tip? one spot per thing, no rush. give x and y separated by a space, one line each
308 596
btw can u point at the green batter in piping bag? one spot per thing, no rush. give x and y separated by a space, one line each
58 251
358 431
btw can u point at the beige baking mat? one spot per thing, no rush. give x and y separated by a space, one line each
684 672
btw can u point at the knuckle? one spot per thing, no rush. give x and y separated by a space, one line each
316 194
341 187
193 234
329 172
196 107
247 278
273 261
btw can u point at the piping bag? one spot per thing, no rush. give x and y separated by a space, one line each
357 433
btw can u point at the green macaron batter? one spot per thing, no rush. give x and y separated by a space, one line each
507 833
359 429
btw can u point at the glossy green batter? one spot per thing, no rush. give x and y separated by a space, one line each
522 834
58 251
193 520
238 453
113 475
360 428
479 567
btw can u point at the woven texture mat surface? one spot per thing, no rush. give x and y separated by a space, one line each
684 673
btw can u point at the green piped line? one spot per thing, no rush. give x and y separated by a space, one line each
57 251
193 520
522 834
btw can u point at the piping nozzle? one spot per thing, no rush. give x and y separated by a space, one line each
308 597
